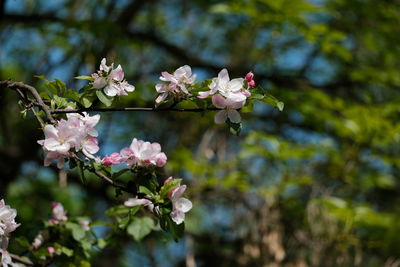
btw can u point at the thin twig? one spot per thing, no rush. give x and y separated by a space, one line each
57 111
21 260
34 92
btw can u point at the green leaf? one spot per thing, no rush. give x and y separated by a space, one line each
140 227
102 243
103 98
72 94
77 230
248 107
176 230
203 86
145 190
51 87
63 250
119 173
86 102
41 77
82 171
60 86
280 105
123 222
118 210
187 104
235 128
23 242
61 102
261 94
271 100
83 77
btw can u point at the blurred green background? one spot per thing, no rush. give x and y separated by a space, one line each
315 185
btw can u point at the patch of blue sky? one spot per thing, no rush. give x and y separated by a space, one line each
375 162
170 254
321 71
293 59
305 137
136 255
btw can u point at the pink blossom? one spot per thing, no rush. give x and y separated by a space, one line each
143 154
132 202
90 146
180 205
222 84
229 109
54 156
38 241
178 85
7 221
59 139
246 93
77 132
111 80
6 259
51 251
58 212
113 159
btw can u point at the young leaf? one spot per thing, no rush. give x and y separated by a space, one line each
83 77
77 230
104 99
140 227
176 230
145 190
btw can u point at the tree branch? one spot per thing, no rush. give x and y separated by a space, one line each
57 111
39 101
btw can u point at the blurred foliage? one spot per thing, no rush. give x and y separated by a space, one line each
315 185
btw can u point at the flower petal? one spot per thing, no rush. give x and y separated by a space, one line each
178 216
183 204
218 101
234 116
220 117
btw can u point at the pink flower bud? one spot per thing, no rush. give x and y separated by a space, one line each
169 179
249 76
113 159
54 204
252 83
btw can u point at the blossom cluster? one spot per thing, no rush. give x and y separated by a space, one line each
7 225
180 205
77 132
138 154
178 85
228 95
111 80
